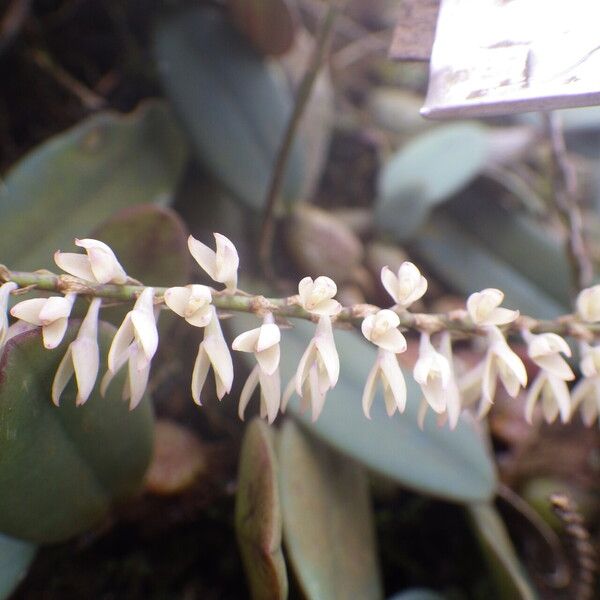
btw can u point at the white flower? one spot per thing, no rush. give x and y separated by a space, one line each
264 343
544 349
554 394
5 290
484 308
191 302
317 296
317 372
586 393
212 351
382 329
500 361
82 359
99 266
222 265
451 412
135 342
588 304
52 314
433 373
407 286
549 384
386 369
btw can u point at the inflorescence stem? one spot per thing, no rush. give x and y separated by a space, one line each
457 322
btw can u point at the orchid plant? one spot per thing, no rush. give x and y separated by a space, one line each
98 274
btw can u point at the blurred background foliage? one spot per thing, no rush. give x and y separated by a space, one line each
140 121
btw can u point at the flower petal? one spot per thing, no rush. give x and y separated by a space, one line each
204 256
269 359
63 375
86 362
270 385
119 348
177 299
29 310
199 374
138 380
326 347
370 389
269 335
247 341
247 392
77 265
54 333
390 283
394 378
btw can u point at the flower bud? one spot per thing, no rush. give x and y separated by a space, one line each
382 329
99 266
484 308
588 304
317 296
407 286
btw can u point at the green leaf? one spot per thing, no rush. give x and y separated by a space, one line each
63 468
504 564
427 171
15 558
69 184
327 519
151 244
463 262
448 464
232 103
258 514
518 241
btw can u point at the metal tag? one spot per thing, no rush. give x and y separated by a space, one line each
495 57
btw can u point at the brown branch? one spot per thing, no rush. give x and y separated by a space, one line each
566 200
304 91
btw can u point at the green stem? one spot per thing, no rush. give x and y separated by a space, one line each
457 322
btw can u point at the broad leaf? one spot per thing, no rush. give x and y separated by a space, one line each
327 519
258 514
462 261
448 464
63 468
504 564
232 102
15 558
427 171
518 241
69 184
151 244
